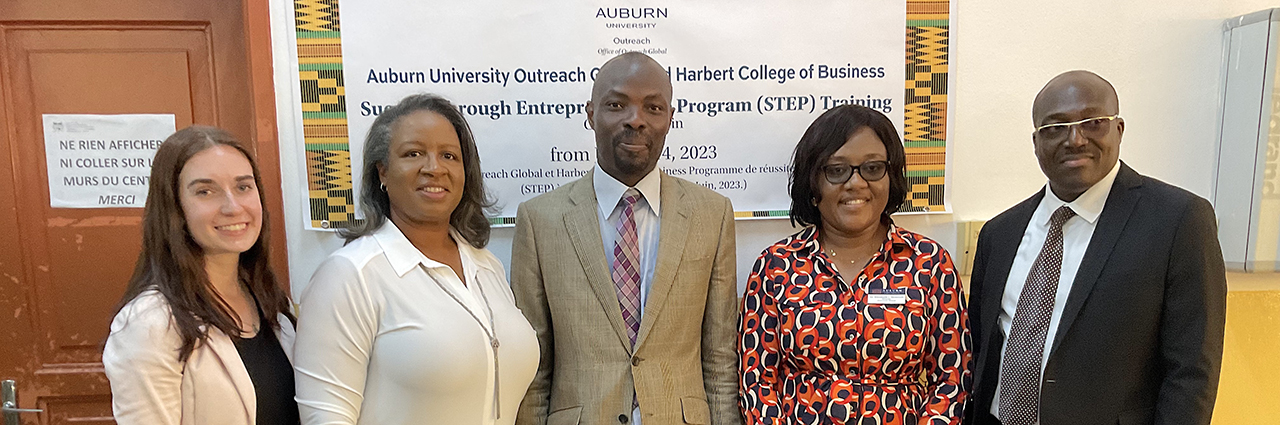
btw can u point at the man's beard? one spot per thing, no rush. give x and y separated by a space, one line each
627 163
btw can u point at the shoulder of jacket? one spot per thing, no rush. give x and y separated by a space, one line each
150 301
1008 214
1167 193
698 192
149 309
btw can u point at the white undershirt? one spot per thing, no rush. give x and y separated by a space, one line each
609 192
1076 234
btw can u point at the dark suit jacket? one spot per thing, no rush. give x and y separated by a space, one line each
1140 341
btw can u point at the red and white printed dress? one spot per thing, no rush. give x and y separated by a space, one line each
816 344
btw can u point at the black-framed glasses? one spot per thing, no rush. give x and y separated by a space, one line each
1089 127
841 173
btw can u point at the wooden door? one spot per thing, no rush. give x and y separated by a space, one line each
62 271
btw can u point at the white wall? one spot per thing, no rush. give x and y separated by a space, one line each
1162 56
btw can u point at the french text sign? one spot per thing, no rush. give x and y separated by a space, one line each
102 161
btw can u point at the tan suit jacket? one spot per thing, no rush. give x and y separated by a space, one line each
684 368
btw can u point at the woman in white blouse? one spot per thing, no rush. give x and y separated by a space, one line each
413 321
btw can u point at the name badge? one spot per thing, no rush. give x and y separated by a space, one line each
887 296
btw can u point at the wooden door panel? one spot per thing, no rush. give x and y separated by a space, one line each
77 80
78 260
93 69
77 410
75 292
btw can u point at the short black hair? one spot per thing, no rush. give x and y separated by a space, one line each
823 138
468 217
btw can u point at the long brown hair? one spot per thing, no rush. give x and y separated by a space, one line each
172 263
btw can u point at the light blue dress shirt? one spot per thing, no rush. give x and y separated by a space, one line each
609 193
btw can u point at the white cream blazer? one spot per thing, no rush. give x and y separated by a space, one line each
149 386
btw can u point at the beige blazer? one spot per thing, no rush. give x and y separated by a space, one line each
149 386
684 367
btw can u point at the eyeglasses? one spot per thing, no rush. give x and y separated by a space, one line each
1089 127
841 173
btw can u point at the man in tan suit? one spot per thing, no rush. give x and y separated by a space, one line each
628 276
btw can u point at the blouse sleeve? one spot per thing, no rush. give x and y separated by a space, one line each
947 349
758 347
337 322
141 363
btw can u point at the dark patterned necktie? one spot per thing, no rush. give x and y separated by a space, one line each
1020 370
626 264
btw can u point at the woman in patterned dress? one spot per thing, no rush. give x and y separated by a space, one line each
853 320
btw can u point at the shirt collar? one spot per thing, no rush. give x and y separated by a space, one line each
806 242
403 256
609 190
1090 203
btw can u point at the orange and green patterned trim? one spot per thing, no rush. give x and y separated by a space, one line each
925 104
324 113
324 116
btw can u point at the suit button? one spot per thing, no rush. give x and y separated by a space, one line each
623 418
635 361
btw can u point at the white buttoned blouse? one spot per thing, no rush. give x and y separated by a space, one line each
389 336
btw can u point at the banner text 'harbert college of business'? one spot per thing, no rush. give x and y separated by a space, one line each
748 79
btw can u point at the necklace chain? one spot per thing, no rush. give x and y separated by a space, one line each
490 332
831 252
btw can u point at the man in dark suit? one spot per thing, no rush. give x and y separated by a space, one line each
1102 298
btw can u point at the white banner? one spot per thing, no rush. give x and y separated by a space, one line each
102 161
748 77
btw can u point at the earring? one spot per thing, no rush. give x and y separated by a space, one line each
383 186
813 201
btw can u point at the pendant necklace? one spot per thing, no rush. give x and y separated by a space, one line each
831 252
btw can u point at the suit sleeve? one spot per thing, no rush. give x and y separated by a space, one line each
974 314
531 299
336 329
141 363
719 361
947 347
1193 320
758 347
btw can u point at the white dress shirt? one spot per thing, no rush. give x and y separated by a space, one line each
388 336
1076 234
609 192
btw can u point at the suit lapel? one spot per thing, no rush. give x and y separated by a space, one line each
671 240
229 357
1119 206
583 223
1002 247
1003 250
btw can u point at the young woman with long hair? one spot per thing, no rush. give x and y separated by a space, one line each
204 331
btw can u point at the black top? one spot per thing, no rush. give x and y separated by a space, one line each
272 377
